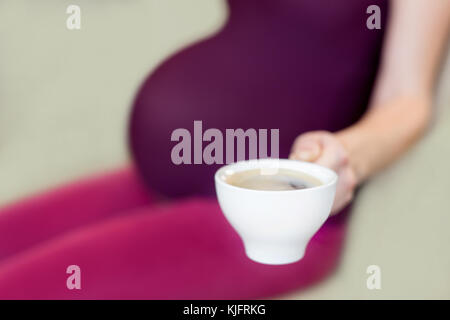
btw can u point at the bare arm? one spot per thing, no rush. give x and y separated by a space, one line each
400 106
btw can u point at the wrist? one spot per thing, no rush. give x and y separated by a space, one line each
350 140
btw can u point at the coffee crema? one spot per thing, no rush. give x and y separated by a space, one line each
283 179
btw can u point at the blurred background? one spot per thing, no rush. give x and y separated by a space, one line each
57 125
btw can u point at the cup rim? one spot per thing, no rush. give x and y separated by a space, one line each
220 181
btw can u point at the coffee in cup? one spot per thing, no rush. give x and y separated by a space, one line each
281 179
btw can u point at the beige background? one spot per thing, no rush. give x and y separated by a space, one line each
64 102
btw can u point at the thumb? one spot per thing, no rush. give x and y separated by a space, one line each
306 148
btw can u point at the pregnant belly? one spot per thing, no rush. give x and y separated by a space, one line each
229 82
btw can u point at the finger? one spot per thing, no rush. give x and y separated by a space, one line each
329 158
307 148
332 156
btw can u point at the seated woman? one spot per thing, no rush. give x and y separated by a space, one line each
307 68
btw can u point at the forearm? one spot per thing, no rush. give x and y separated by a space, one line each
400 107
385 133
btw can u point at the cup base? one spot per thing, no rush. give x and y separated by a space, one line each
273 255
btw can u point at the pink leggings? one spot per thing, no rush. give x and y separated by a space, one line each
130 246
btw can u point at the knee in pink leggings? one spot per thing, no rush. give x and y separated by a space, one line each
130 247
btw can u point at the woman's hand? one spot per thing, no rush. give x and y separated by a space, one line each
326 149
400 106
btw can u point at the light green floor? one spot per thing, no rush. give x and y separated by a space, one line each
65 97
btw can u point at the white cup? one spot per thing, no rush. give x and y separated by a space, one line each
276 226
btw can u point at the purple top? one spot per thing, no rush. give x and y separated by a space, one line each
287 64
